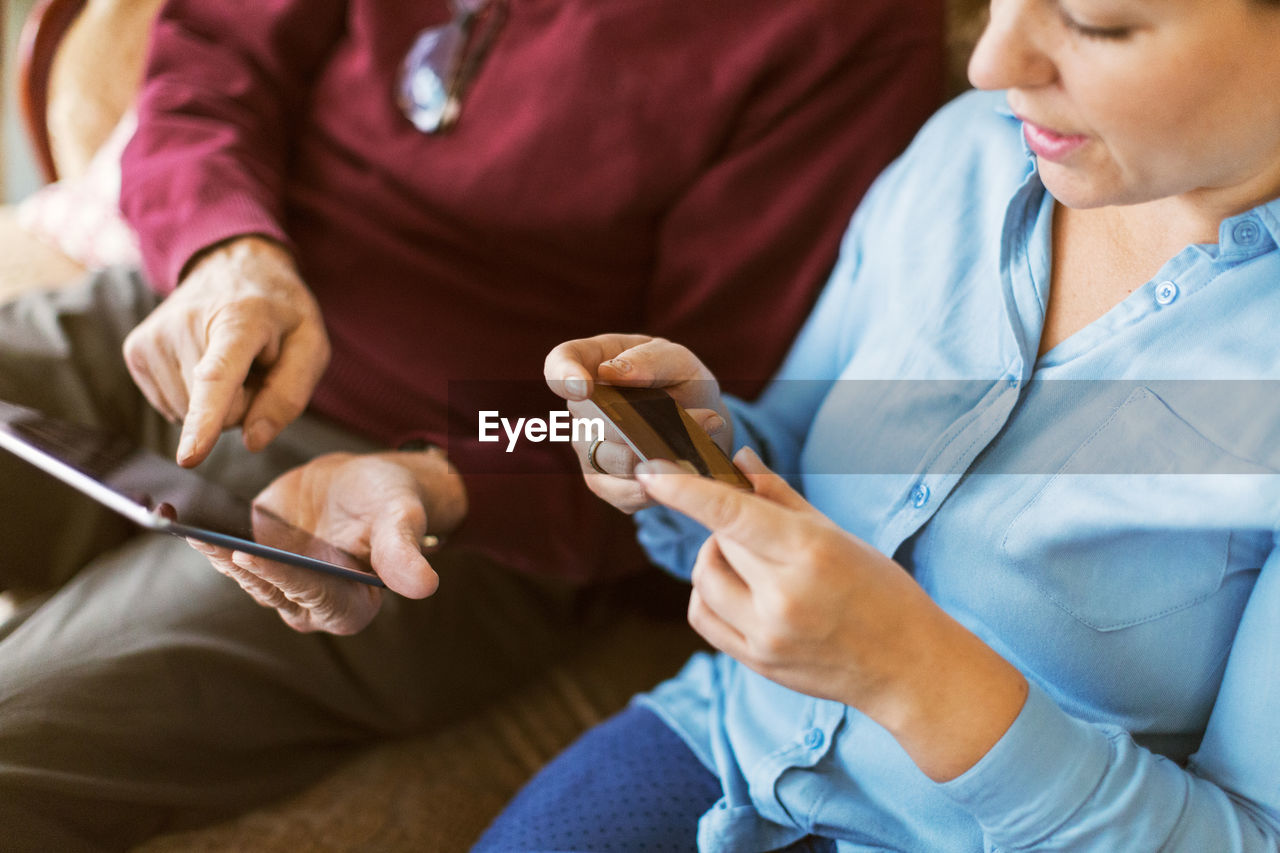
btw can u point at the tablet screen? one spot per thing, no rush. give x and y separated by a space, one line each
158 494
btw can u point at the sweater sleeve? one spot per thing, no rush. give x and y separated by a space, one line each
224 85
1054 782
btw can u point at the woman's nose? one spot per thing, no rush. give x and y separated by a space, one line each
1010 54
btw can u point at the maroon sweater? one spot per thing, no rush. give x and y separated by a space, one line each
682 168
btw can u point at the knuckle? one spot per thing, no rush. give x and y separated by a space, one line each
696 613
698 574
558 357
779 609
293 399
137 353
656 342
316 599
707 553
323 351
238 327
343 627
132 344
767 646
821 551
722 510
403 518
628 496
283 401
270 598
300 622
213 367
627 462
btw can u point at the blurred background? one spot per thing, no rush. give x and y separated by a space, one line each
18 176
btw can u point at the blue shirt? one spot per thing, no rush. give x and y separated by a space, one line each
1103 516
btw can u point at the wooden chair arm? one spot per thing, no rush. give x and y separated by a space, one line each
41 35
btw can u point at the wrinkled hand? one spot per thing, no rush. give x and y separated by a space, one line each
240 341
637 361
377 507
784 590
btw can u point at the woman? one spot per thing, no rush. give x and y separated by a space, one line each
1055 657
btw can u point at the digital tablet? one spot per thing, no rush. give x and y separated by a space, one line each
158 494
655 426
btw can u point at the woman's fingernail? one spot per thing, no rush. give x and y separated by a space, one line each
186 447
655 467
715 423
618 365
576 385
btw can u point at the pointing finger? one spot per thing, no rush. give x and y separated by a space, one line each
218 377
748 519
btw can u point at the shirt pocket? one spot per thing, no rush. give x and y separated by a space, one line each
1138 523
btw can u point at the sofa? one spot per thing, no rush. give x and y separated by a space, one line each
80 65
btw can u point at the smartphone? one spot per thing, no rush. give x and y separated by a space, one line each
158 494
655 426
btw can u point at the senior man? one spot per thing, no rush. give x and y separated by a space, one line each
353 215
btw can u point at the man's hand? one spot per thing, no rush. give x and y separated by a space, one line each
241 341
378 507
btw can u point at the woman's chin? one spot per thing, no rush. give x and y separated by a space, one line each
1081 190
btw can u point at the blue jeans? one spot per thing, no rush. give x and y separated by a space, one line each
628 784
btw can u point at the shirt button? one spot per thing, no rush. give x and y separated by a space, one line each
814 738
919 495
1166 292
1246 233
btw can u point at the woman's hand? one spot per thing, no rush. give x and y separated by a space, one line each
240 341
377 507
781 588
636 361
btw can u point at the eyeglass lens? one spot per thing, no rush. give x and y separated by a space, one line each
433 73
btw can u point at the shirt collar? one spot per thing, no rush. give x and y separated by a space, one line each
1002 108
1267 215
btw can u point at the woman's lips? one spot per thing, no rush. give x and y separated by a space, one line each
1052 146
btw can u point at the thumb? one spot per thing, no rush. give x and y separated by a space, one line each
396 555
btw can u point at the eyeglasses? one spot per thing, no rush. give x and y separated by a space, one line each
443 61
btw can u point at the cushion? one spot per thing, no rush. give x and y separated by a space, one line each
80 216
27 262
